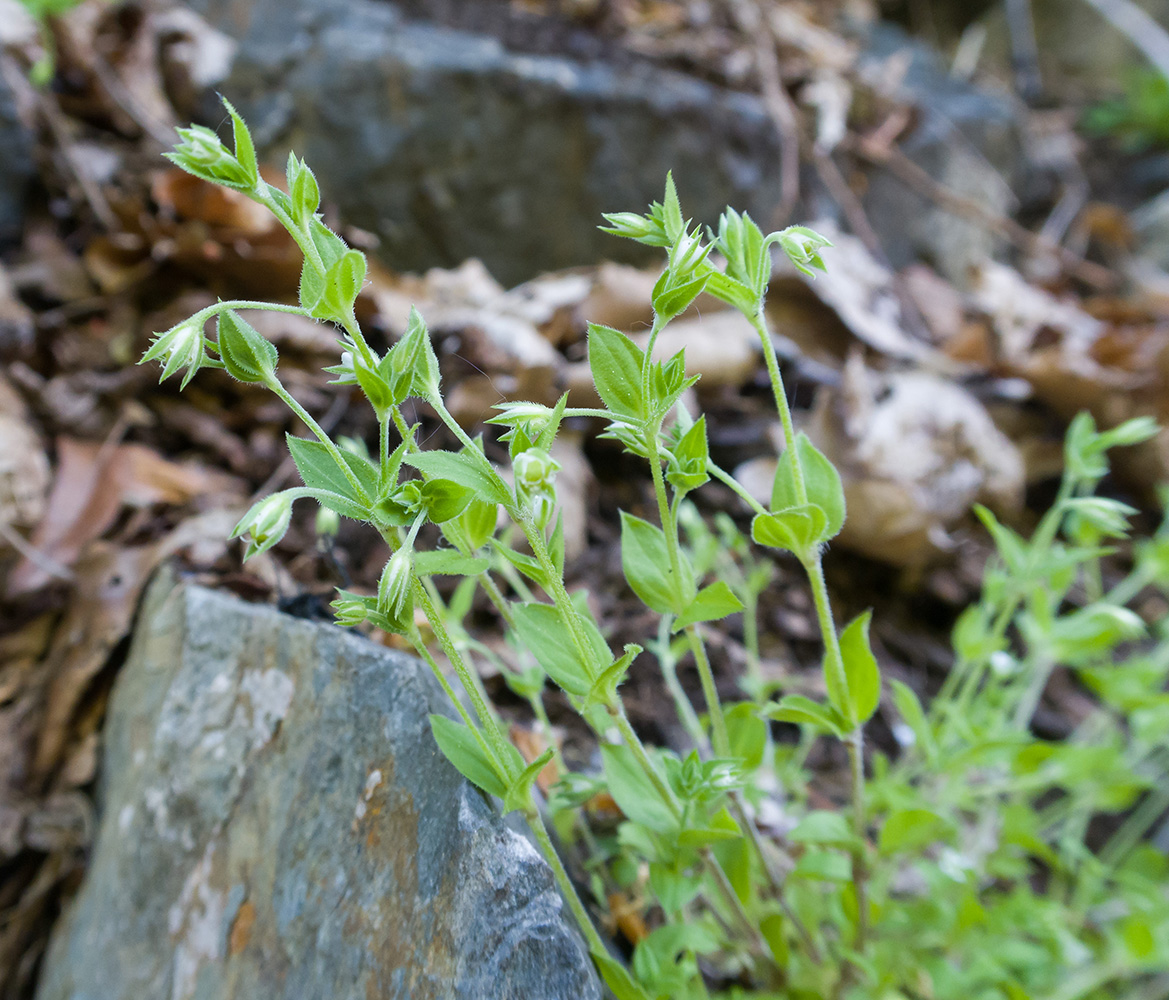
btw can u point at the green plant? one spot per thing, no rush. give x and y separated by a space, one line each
964 868
42 10
1139 117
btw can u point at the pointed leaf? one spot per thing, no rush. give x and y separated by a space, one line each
461 747
711 604
616 362
861 670
645 559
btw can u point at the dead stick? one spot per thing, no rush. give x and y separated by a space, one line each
913 176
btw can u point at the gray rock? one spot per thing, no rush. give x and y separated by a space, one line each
448 145
17 168
965 137
277 822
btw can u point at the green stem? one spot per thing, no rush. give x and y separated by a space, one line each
422 650
727 479
633 741
759 321
277 387
682 703
567 889
486 717
720 739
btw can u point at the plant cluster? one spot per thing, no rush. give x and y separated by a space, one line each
967 866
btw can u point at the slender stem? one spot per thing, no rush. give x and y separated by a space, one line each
856 755
277 387
422 650
235 305
759 321
726 478
665 515
384 442
486 717
720 739
755 839
833 661
727 891
633 741
584 921
668 664
487 582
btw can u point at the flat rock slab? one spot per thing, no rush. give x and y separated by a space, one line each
277 822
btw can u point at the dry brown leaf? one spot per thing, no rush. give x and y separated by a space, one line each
92 484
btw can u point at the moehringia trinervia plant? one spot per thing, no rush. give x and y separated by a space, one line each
747 914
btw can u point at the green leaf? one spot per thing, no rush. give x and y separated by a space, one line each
914 716
747 732
246 355
320 470
645 558
1011 547
796 529
604 691
461 747
823 866
711 604
822 826
617 978
673 889
444 499
633 790
911 830
821 481
448 562
616 362
861 670
245 150
473 527
801 711
464 469
519 794
526 564
542 629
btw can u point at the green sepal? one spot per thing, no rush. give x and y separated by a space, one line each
246 355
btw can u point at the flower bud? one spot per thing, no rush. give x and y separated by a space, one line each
535 469
350 609
543 507
394 593
180 347
266 523
642 228
203 154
